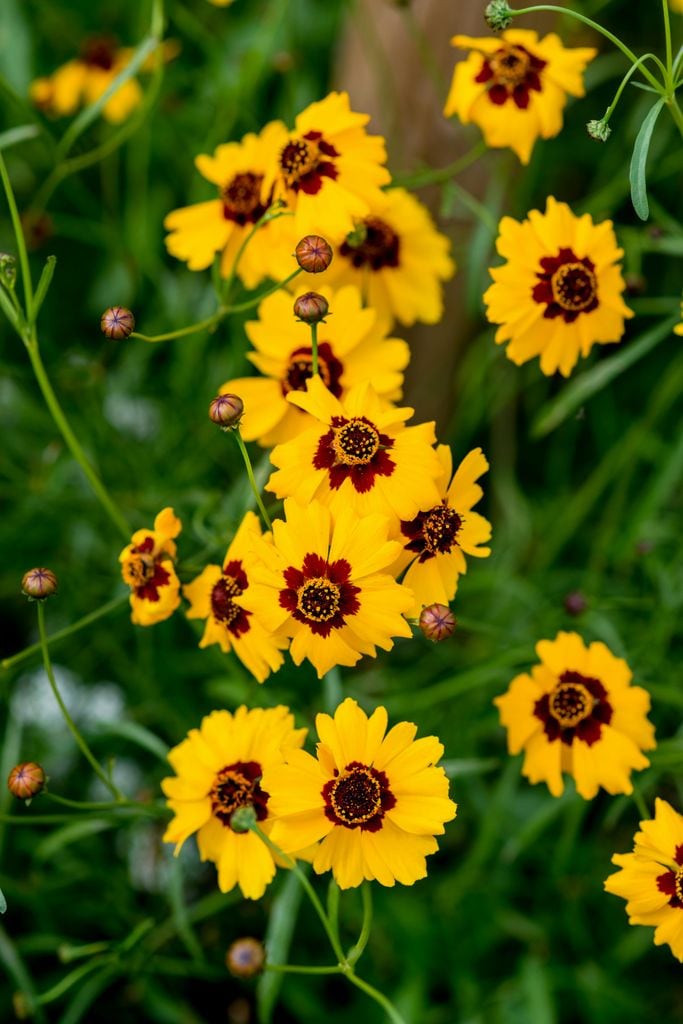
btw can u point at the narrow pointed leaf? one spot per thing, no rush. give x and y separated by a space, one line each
637 172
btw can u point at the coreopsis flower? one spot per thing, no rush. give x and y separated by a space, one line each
577 713
147 568
212 597
325 584
676 5
220 225
560 291
515 86
436 541
651 878
375 799
352 348
358 453
398 259
219 769
329 170
82 81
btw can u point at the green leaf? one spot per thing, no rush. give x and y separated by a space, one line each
3 902
598 377
278 940
43 285
139 735
71 833
13 136
639 162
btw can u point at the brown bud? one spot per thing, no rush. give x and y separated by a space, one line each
311 308
313 254
39 584
437 622
117 322
26 780
575 603
245 957
226 410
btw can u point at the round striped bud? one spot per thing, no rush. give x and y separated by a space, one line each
311 308
26 780
245 957
437 622
37 584
117 322
226 410
313 254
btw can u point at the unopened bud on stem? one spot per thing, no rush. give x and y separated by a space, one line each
37 584
313 254
242 819
226 411
311 308
498 15
599 130
117 322
245 957
437 622
26 780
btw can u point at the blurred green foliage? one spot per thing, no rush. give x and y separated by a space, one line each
584 494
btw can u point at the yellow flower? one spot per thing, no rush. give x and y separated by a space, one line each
198 232
560 291
651 878
325 585
352 348
219 768
398 259
577 713
436 541
329 170
212 597
515 86
147 568
678 329
83 80
376 801
359 454
676 5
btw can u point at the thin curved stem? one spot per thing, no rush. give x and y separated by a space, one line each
252 480
379 997
303 969
626 79
667 36
357 951
598 28
19 236
102 805
268 216
85 749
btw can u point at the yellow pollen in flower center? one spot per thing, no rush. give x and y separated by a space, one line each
231 790
440 528
355 443
138 569
574 286
570 703
510 65
678 884
318 599
356 796
299 157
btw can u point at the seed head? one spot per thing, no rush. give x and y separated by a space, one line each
575 603
599 130
26 780
498 15
226 411
311 308
117 322
37 584
313 254
245 957
437 622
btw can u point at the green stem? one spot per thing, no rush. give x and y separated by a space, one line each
85 749
440 175
19 236
390 1010
314 349
71 439
676 113
357 951
303 969
667 35
640 804
268 216
624 82
252 480
597 28
99 806
61 634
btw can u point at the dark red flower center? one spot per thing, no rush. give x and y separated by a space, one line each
306 160
378 245
354 449
434 532
358 797
99 52
512 73
224 609
320 594
238 785
577 707
143 570
300 369
567 285
242 198
671 882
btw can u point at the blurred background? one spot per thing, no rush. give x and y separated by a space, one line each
584 493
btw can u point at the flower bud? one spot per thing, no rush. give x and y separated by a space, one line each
8 270
117 322
575 603
599 130
26 780
498 15
226 411
313 254
243 818
245 957
311 308
37 584
437 622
